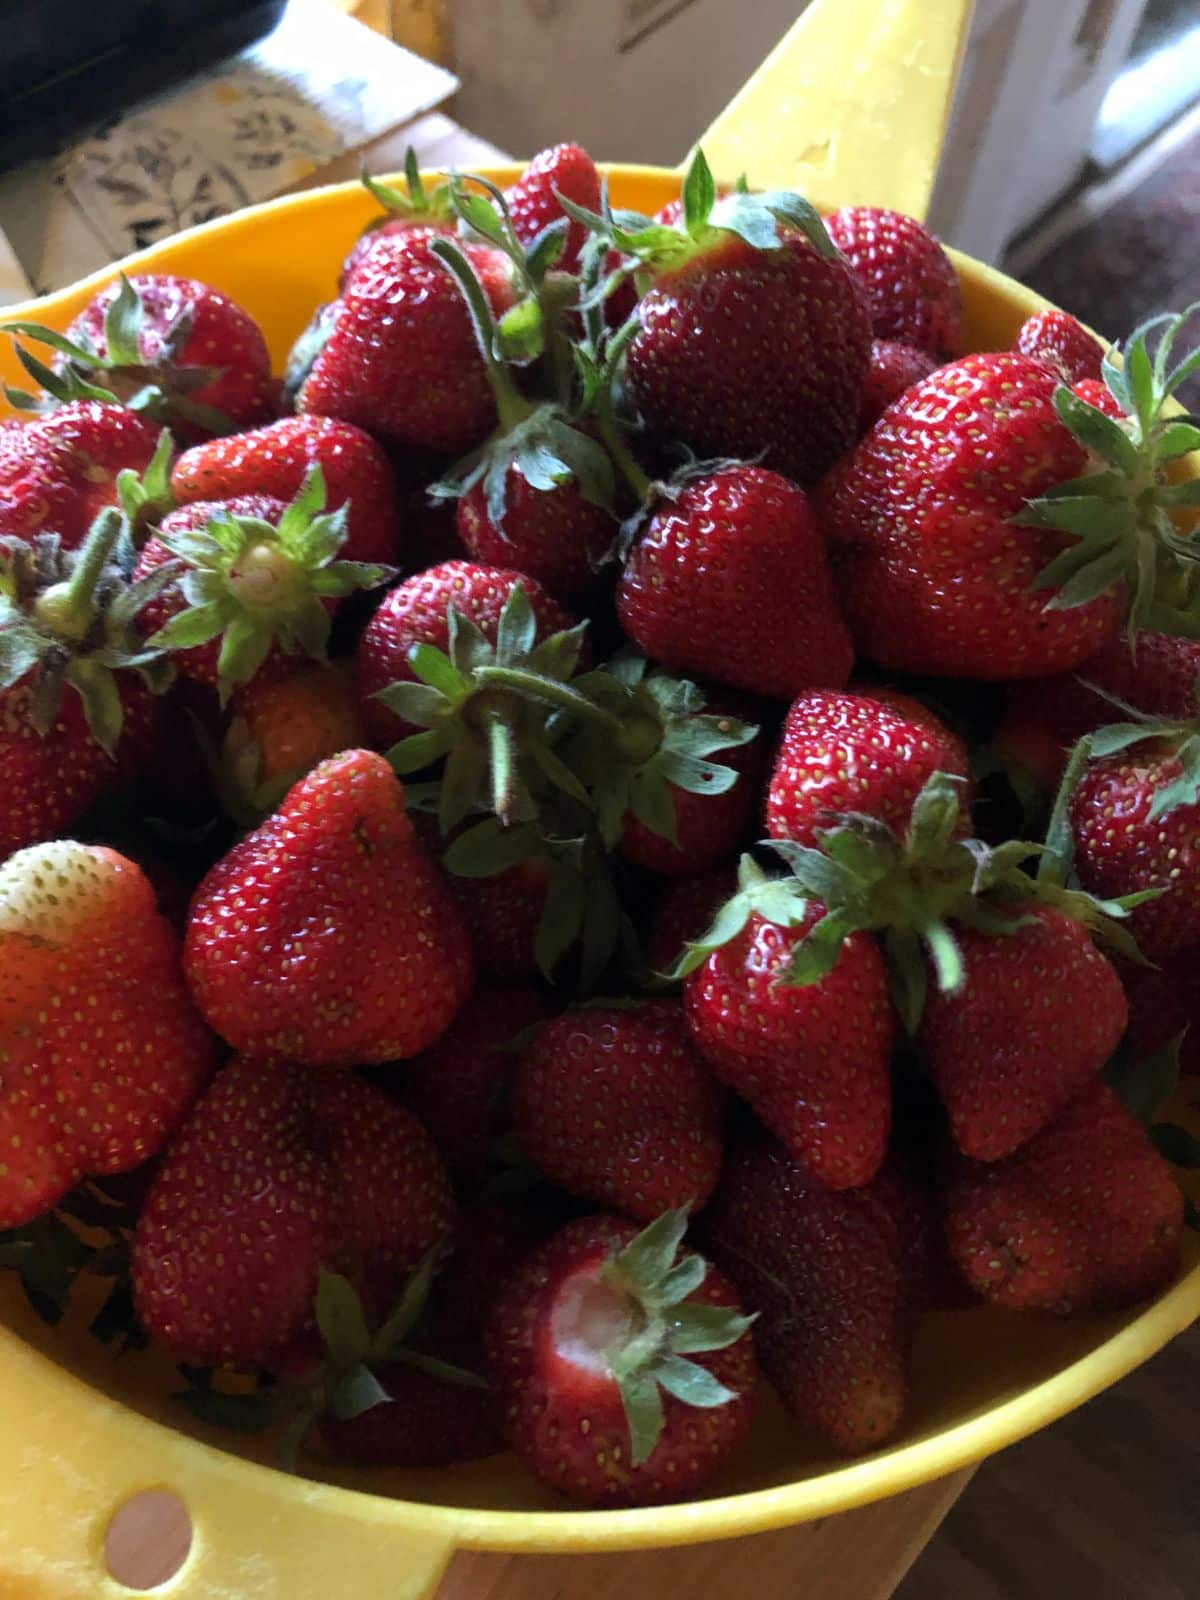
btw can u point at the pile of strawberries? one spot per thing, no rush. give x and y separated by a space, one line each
528 1101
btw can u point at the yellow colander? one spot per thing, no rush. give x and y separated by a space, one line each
870 82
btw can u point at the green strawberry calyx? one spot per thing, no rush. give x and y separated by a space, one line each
414 203
1121 519
253 583
665 744
160 390
647 1326
540 441
912 892
707 223
68 619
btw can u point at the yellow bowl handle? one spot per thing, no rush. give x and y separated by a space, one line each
72 1457
851 106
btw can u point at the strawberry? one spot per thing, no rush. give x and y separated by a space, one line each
79 712
502 914
812 1061
1044 717
459 1087
686 908
295 1171
537 496
831 1275
1085 1217
327 933
102 1049
421 1420
933 573
59 472
730 580
1059 342
855 752
274 461
1164 1007
416 611
281 729
754 336
894 369
414 206
910 282
624 1373
533 200
398 356
172 349
648 763
1039 1012
260 582
614 1104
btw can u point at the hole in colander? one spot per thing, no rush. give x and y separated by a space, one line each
148 1539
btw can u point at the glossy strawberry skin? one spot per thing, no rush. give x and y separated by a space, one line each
709 828
102 1048
459 1087
415 611
894 369
277 1172
222 336
1086 1217
532 204
1039 1014
933 574
842 752
400 359
730 581
1064 345
616 1106
327 934
1119 850
567 1424
555 536
910 282
812 1061
47 782
59 471
745 352
273 461
831 1275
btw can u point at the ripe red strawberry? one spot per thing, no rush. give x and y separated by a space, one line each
813 1061
274 461
327 933
934 574
854 752
1085 1217
414 206
533 203
1038 1014
79 712
459 1087
910 282
259 584
1134 816
102 1048
60 471
281 728
755 334
415 612
557 536
685 911
831 1275
615 1105
730 580
618 1381
1062 344
399 356
279 1172
1044 717
894 368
